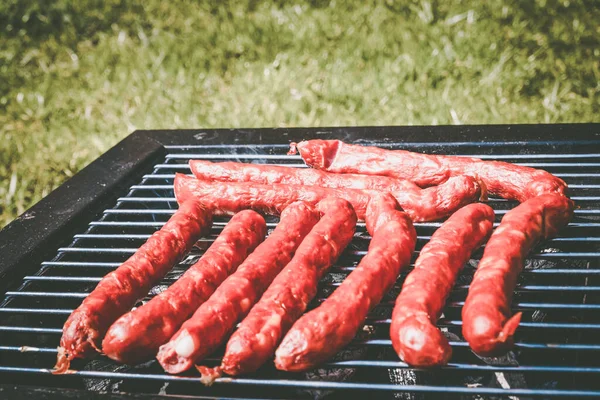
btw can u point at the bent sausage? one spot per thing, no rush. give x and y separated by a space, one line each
216 318
137 335
229 197
118 291
486 323
413 332
288 296
324 331
421 205
503 179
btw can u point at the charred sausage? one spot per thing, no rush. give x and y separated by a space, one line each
118 291
216 318
137 335
413 332
287 297
420 204
324 331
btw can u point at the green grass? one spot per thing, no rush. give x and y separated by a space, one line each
76 77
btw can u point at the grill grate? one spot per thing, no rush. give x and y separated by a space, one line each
559 293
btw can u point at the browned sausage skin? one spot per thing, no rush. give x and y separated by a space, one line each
216 318
420 204
260 332
503 179
413 332
118 291
324 331
137 335
487 322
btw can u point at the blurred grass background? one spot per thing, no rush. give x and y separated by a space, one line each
77 76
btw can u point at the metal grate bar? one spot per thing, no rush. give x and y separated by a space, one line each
138 199
526 272
272 225
126 236
400 145
51 311
30 329
234 157
369 363
321 385
572 254
453 304
380 321
172 211
43 278
590 175
335 268
205 156
80 264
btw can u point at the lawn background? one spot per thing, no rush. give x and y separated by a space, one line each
76 77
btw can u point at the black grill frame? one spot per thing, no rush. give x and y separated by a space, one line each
41 231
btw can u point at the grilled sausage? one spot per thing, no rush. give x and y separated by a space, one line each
216 318
287 297
322 332
118 291
487 324
228 197
137 335
420 204
413 332
503 179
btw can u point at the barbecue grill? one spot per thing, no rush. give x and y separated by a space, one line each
55 253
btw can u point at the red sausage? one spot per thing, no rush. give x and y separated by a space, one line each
229 197
216 318
503 179
414 335
137 335
324 331
270 174
118 291
420 204
286 299
339 157
486 323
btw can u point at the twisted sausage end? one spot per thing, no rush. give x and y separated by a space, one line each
487 338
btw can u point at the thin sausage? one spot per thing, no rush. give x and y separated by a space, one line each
487 322
216 318
275 174
229 197
137 335
322 332
420 204
118 291
288 296
413 332
503 179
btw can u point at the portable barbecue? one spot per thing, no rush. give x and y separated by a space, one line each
56 252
